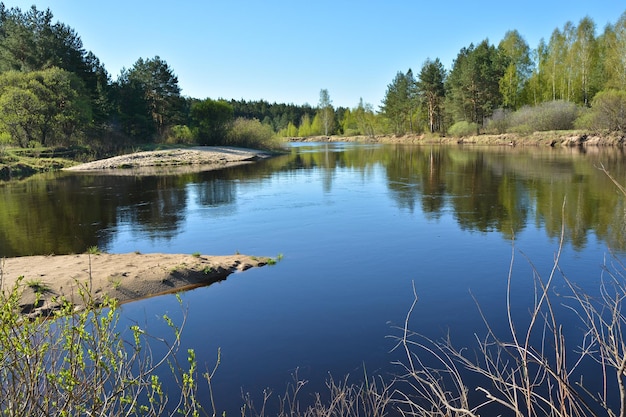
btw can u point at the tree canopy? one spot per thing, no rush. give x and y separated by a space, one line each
148 97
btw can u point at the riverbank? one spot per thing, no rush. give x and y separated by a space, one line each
204 158
124 277
566 138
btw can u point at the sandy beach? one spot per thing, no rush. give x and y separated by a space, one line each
124 277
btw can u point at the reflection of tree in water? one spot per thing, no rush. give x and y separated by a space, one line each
497 188
217 192
502 189
161 215
476 201
42 215
415 175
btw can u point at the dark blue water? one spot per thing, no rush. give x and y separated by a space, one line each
358 226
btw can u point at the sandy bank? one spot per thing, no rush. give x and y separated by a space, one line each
200 158
124 277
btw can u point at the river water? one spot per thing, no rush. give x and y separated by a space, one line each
358 227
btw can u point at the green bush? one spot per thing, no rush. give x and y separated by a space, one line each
179 134
551 115
463 128
250 133
77 363
608 112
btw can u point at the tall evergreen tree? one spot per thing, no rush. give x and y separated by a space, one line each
473 85
400 100
431 90
149 97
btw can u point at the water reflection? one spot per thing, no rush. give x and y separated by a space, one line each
499 189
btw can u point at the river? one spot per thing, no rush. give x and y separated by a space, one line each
358 226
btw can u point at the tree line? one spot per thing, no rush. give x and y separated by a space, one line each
575 76
53 92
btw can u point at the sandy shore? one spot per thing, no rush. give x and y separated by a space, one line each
125 277
200 158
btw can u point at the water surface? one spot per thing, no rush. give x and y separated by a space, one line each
358 227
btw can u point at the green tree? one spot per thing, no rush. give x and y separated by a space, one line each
366 118
31 41
536 85
400 100
348 123
326 113
26 39
473 85
291 131
613 47
431 90
316 125
210 121
148 98
49 107
304 129
519 69
585 61
558 65
20 117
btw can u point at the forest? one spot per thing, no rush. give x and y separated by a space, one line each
54 92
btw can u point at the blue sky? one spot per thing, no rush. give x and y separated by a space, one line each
287 51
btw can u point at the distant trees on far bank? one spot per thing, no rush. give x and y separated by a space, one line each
55 92
511 87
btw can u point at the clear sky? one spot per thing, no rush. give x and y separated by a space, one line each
288 50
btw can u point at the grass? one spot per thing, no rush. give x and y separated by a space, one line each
38 286
17 163
274 261
116 282
94 250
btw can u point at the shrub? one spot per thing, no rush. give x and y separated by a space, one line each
250 133
551 115
463 128
179 134
499 121
608 112
78 363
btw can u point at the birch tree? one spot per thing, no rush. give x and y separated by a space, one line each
326 112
